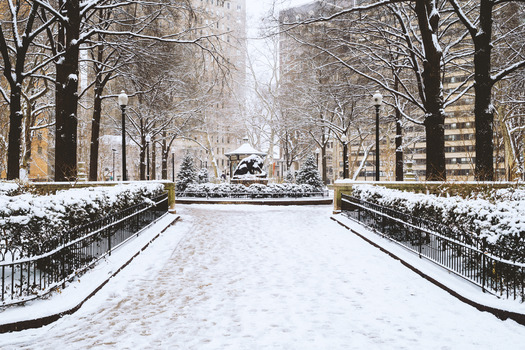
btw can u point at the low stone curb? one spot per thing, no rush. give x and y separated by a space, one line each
43 321
499 313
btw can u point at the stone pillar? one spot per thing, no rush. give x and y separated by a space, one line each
170 187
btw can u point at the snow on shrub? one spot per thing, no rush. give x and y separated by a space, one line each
35 224
497 217
225 190
11 189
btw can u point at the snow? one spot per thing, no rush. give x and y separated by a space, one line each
246 148
262 277
84 285
495 216
72 77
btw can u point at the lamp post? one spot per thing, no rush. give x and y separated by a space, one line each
378 101
123 102
148 140
317 151
344 140
173 167
113 172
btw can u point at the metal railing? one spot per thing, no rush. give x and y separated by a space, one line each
28 278
255 195
459 252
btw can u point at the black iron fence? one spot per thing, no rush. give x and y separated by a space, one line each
255 195
456 251
27 278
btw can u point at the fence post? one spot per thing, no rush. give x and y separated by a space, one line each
483 270
522 285
420 243
3 282
108 230
63 263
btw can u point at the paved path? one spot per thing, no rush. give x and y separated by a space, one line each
268 278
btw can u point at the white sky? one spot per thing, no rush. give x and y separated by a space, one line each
259 52
256 9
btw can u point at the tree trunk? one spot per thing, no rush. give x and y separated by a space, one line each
399 145
153 160
428 19
15 132
483 109
164 157
142 160
66 89
26 153
323 165
95 132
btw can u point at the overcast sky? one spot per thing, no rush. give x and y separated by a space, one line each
262 6
255 11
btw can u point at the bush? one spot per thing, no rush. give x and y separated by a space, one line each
496 217
258 190
35 224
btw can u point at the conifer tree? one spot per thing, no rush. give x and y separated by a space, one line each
309 175
187 173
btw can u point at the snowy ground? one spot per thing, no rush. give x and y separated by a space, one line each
252 277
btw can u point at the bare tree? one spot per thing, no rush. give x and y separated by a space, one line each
359 37
478 17
17 37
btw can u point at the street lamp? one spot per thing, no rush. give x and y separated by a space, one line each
378 101
345 156
173 167
123 102
113 172
148 140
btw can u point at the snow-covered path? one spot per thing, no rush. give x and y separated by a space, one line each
251 277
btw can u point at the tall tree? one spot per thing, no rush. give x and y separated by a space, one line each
359 45
478 18
17 35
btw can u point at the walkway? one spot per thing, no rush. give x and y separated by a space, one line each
252 277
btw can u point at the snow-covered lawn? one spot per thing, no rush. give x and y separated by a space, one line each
252 277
